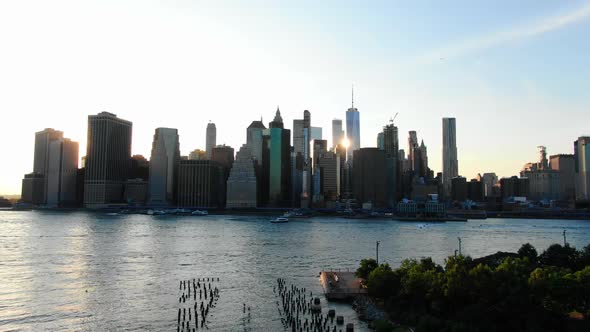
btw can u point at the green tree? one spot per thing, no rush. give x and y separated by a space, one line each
561 256
382 282
527 250
366 267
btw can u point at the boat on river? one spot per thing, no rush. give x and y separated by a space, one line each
279 220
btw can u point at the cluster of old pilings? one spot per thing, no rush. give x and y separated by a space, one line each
196 298
301 312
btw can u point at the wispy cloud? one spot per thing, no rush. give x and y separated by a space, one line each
510 35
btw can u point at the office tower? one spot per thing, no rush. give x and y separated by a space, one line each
380 141
582 167
164 166
543 181
337 132
514 187
328 169
200 184
459 189
62 173
341 153
412 146
241 184
197 154
475 190
490 180
423 171
301 175
353 130
315 133
564 164
41 159
319 147
278 162
368 175
224 155
210 139
136 191
140 168
108 155
254 139
449 153
33 189
391 149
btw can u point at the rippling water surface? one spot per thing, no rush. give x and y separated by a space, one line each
96 272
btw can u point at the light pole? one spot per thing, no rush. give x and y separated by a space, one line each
564 241
377 252
458 238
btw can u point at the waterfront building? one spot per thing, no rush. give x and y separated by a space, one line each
108 156
514 187
254 139
328 170
278 162
32 190
140 168
459 189
241 184
337 132
380 141
136 191
449 153
564 164
210 139
197 154
475 190
353 130
582 167
224 155
164 166
43 139
62 173
412 147
301 175
368 174
490 181
319 147
200 184
543 181
391 149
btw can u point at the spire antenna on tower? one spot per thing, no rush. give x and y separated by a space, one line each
353 96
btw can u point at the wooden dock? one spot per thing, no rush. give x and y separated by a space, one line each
341 286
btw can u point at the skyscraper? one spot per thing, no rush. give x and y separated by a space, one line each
582 167
368 171
353 131
279 162
62 173
449 153
254 139
412 146
108 158
337 132
210 139
391 148
200 184
164 167
41 159
241 184
301 139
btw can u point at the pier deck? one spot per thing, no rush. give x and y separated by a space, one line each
341 286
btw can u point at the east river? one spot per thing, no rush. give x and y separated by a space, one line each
80 271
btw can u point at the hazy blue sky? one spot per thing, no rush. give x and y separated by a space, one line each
515 74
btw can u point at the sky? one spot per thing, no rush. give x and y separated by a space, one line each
515 74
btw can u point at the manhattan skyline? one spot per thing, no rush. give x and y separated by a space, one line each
513 82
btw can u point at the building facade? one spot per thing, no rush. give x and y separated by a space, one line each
241 184
337 132
164 167
200 184
210 139
43 140
353 131
108 155
582 167
368 174
565 166
62 173
449 153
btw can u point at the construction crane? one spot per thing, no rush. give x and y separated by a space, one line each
395 116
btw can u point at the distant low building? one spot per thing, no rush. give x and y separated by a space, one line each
33 189
514 187
564 164
136 191
459 189
200 184
543 181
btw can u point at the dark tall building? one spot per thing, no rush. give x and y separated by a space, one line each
201 184
224 155
108 156
368 176
33 189
277 164
140 168
475 190
391 148
459 189
565 165
514 187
